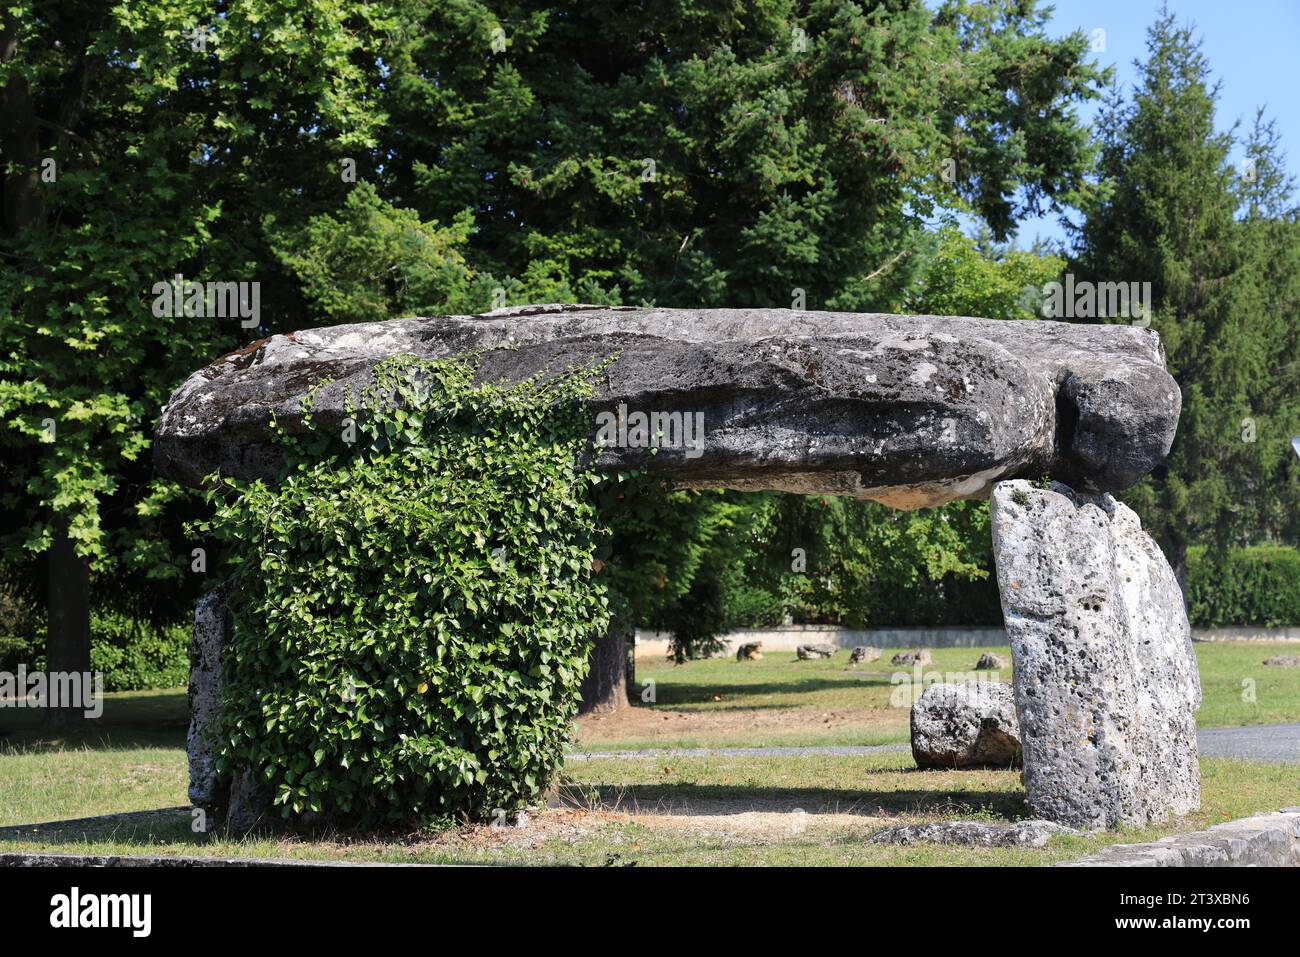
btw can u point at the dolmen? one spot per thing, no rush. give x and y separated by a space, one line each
1044 418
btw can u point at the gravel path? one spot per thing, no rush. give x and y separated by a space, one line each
844 750
1272 743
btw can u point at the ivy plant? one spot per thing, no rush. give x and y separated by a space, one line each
412 611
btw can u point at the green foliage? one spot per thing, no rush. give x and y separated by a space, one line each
131 654
719 595
371 261
839 561
413 614
135 656
960 280
719 154
166 155
1222 255
1249 586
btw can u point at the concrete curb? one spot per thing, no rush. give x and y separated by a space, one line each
1265 840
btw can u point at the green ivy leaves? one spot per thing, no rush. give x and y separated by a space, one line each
413 611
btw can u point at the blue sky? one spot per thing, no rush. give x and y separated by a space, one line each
1250 44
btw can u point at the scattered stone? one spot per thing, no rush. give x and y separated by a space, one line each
750 651
864 653
1282 661
912 411
919 657
966 726
816 650
1105 678
990 662
973 833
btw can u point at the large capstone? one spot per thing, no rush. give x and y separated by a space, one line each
1105 677
911 411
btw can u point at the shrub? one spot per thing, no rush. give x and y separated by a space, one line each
132 654
1251 586
135 656
412 614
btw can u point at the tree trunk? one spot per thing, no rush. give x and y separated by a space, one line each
1175 549
24 203
67 642
605 688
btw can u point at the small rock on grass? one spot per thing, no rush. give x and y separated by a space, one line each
750 651
819 650
966 726
1282 661
864 653
919 657
973 833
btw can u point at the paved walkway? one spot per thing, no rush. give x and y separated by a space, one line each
1272 743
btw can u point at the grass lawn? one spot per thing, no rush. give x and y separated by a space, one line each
811 809
781 701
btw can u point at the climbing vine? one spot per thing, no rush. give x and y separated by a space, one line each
413 609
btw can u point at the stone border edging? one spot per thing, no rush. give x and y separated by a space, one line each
788 637
1263 840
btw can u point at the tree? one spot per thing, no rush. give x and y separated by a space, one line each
141 142
1220 254
701 153
958 279
658 542
370 261
705 153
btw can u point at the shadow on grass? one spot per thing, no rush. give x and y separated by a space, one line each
165 826
736 799
139 719
675 694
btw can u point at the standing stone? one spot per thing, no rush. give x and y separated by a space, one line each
245 802
965 726
211 632
1105 680
249 806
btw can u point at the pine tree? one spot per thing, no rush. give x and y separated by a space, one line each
1220 255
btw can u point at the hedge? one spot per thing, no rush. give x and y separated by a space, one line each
413 612
132 655
1253 586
